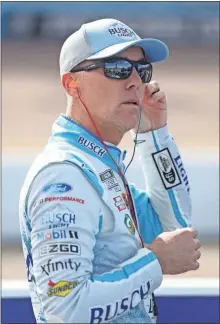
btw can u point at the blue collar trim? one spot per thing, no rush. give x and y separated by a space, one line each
66 130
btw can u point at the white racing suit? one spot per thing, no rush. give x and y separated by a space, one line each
84 259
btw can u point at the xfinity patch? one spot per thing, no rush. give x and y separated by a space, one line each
166 168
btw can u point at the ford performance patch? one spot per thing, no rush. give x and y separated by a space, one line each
57 188
166 168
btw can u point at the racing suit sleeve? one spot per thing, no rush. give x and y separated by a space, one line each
65 223
165 205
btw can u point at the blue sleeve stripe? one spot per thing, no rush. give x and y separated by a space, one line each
176 210
171 194
155 142
126 271
100 223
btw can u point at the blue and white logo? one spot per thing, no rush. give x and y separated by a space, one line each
57 188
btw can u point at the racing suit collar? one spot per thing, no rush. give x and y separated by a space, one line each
64 125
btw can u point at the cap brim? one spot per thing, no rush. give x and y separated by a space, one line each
155 50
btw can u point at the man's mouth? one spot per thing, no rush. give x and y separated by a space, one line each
132 102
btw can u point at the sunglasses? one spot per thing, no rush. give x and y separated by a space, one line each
120 68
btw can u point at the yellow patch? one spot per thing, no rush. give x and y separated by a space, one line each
62 288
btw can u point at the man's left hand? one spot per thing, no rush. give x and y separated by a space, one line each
154 108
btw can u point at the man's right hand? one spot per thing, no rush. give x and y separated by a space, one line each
177 251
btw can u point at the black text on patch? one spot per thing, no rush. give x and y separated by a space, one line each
166 168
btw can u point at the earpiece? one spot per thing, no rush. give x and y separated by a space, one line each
72 84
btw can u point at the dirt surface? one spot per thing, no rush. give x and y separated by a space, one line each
32 95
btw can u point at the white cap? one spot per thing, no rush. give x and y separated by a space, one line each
104 38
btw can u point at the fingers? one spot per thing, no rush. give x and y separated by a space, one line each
193 231
158 96
195 266
154 95
197 255
197 244
152 87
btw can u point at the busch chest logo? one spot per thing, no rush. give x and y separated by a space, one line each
91 146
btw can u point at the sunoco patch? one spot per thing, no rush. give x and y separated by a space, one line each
166 168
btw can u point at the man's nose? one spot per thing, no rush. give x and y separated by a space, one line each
134 79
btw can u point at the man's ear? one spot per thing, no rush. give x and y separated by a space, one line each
69 83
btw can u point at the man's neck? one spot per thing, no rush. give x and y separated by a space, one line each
104 132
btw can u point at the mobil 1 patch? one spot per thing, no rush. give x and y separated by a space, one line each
166 168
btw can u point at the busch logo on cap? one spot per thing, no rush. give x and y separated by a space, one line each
122 31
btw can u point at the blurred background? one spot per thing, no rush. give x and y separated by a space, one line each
32 98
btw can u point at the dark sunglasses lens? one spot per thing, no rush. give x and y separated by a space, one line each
119 69
145 72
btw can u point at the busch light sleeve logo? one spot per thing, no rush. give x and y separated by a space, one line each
182 171
57 188
166 168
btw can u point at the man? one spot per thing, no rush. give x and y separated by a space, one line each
96 246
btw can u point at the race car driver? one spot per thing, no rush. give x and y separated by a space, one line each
96 247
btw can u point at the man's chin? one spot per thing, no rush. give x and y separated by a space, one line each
129 126
131 122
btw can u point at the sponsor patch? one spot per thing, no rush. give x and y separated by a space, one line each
122 31
182 171
106 313
57 235
129 224
57 188
60 248
125 197
58 216
59 266
63 198
61 288
166 168
138 142
108 178
119 203
98 150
